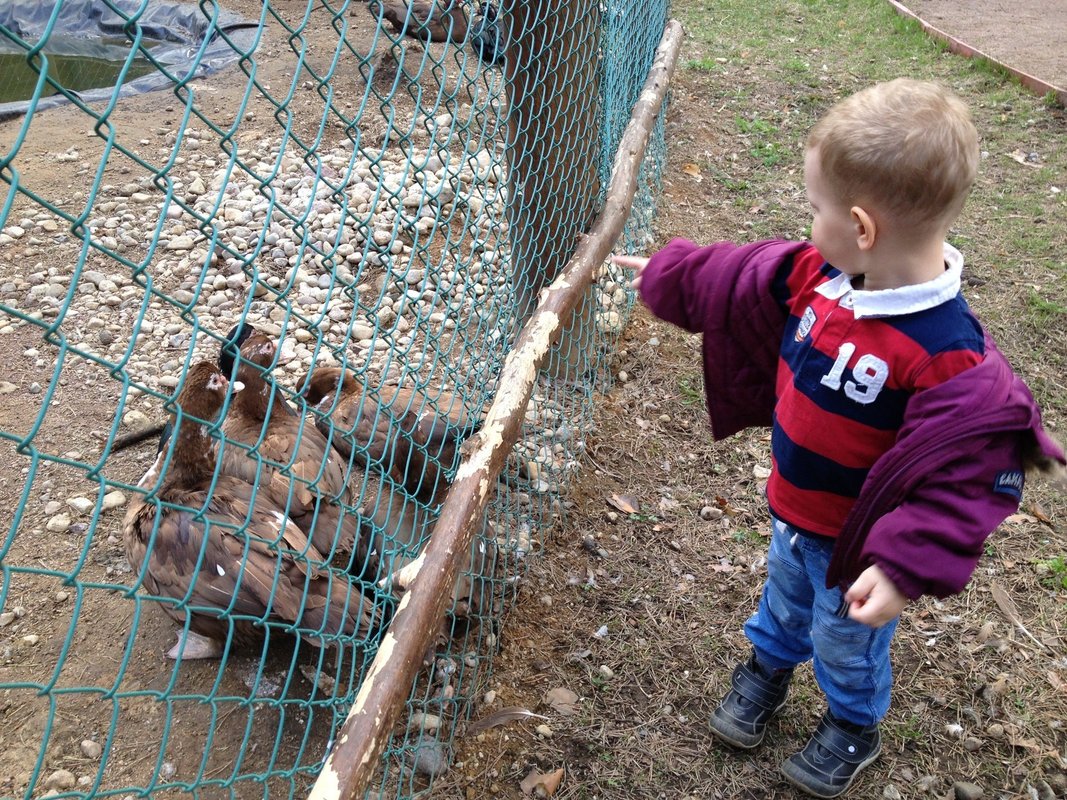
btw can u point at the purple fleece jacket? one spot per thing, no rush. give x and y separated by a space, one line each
929 503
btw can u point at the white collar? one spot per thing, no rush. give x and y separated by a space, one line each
904 300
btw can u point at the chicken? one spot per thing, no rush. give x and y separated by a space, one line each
227 358
402 432
224 558
425 20
401 436
275 447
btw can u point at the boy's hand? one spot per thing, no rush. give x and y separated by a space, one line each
874 599
636 263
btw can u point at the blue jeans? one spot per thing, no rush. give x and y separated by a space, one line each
799 618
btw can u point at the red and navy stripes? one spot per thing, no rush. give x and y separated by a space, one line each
842 388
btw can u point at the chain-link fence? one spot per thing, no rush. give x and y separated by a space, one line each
307 242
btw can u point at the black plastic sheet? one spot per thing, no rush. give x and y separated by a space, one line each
179 42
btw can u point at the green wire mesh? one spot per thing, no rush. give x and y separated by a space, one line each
371 191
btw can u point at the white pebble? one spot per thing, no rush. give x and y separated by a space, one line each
113 500
58 523
82 505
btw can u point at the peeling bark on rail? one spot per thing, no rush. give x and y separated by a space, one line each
354 759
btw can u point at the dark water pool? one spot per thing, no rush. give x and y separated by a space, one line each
74 64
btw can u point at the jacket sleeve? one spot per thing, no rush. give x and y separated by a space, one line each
931 542
729 294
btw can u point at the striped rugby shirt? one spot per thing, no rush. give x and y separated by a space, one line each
849 362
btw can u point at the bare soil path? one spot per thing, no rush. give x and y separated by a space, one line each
1027 35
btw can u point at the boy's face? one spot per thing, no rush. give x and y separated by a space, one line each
833 231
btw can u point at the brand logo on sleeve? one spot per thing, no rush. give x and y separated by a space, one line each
1009 482
807 322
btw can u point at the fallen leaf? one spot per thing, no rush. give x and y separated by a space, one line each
562 700
1021 157
668 504
1018 519
728 509
627 504
502 717
545 785
691 169
1039 512
1024 744
1007 605
1057 682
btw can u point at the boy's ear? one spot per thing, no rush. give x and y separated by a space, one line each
864 225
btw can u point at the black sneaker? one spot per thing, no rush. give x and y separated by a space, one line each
742 716
836 753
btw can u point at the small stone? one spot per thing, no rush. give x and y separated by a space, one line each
113 500
134 419
710 513
972 744
891 792
82 505
7 388
167 770
361 331
6 618
489 697
60 779
31 638
91 749
928 783
62 596
431 759
964 790
605 672
58 523
543 731
425 722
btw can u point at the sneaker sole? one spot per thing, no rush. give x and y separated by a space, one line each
814 792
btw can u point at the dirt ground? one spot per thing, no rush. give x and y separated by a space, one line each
643 577
1027 35
640 614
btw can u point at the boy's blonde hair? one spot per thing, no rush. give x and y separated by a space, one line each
905 147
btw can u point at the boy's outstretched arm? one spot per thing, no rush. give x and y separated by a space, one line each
874 599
